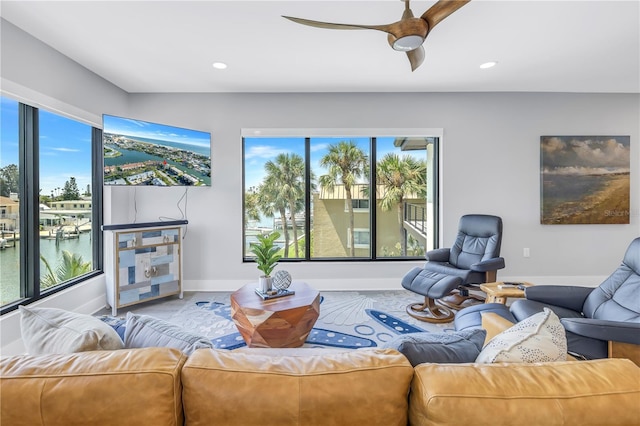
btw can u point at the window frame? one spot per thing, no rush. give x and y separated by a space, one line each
435 134
29 184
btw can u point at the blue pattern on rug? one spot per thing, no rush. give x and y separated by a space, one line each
392 323
322 337
216 307
349 320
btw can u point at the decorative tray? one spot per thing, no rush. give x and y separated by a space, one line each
276 294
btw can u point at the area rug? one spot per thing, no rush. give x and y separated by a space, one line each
347 319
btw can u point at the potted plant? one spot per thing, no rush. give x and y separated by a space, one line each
266 257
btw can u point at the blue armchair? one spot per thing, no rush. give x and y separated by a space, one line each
600 322
474 258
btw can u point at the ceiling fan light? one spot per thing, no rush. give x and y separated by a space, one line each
407 43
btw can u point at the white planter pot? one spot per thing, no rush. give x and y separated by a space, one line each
264 284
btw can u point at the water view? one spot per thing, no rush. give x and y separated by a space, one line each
10 261
138 152
602 198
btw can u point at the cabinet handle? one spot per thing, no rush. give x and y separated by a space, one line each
148 273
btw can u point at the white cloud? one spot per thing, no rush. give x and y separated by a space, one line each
66 149
264 151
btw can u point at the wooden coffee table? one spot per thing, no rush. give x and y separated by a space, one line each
496 294
283 322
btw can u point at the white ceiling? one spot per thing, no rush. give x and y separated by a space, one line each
169 46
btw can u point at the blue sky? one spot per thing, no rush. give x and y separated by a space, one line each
65 147
260 150
145 129
65 144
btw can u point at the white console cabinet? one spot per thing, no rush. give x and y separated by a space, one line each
145 264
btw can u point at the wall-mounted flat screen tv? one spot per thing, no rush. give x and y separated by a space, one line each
138 152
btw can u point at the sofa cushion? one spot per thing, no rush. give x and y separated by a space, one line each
461 346
56 331
364 387
583 393
143 331
98 388
539 338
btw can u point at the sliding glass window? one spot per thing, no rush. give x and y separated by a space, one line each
318 193
51 203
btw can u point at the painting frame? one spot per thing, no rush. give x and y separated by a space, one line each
585 180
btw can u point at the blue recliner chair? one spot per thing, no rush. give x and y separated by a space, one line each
474 258
598 321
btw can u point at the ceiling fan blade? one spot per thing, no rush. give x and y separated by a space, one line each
416 57
333 26
441 10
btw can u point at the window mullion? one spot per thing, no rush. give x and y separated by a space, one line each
373 207
29 202
97 180
307 199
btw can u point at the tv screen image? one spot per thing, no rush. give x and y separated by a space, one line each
139 152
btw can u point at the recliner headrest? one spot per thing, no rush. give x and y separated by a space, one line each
632 256
480 225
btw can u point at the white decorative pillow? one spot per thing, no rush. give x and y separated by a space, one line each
539 338
143 331
56 331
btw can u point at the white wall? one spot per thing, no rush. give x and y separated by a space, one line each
490 165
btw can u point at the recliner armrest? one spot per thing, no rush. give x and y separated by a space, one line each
439 255
488 265
569 297
617 331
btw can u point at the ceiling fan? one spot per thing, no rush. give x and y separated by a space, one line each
406 35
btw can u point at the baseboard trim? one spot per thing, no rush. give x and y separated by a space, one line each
383 283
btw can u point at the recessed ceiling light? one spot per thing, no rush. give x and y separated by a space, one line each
219 65
488 65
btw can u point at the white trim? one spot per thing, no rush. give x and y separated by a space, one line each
373 284
34 98
353 132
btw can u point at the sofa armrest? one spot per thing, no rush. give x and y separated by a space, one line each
439 255
617 331
488 265
569 297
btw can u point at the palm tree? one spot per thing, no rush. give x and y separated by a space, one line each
286 176
71 266
270 202
401 177
251 208
345 163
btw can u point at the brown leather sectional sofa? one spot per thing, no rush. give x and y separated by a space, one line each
306 387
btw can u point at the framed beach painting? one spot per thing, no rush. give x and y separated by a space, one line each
584 179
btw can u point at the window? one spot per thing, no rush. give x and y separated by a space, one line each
361 237
49 243
358 205
318 193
